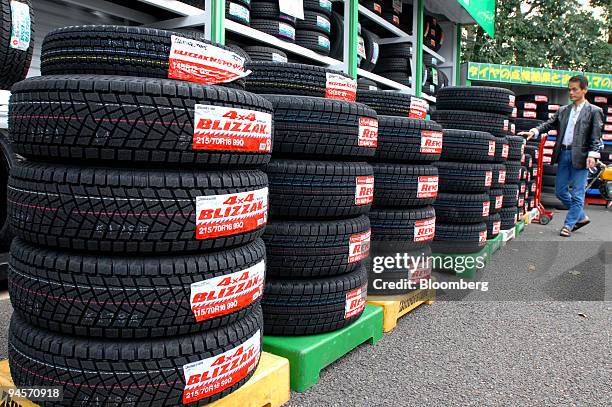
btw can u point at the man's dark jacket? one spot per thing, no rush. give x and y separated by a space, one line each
587 132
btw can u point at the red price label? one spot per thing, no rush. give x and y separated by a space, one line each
355 301
424 230
364 191
427 186
359 246
499 201
368 132
431 142
340 87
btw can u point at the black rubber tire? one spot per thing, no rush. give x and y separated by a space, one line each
393 230
114 50
526 124
270 10
548 180
508 217
464 177
386 103
14 63
318 189
511 194
128 297
402 185
534 152
461 208
496 197
147 372
401 139
321 6
493 225
502 149
550 169
399 77
266 54
516 148
283 30
513 172
314 41
288 79
400 50
494 123
372 49
393 64
532 97
127 210
7 161
128 120
499 175
314 21
550 200
418 268
476 98
468 146
311 306
337 36
238 12
316 248
391 17
366 84
459 238
313 127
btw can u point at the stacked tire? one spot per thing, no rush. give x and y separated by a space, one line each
138 268
474 174
532 106
433 35
267 17
395 63
314 31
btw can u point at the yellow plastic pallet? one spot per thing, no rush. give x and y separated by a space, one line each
269 386
396 306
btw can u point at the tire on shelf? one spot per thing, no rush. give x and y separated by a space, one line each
372 49
132 297
133 210
366 84
393 64
468 145
145 120
147 372
476 98
496 124
461 208
386 103
321 6
402 139
315 305
314 21
459 238
402 185
400 50
526 124
464 177
15 58
319 189
279 29
313 40
270 10
237 11
315 248
266 54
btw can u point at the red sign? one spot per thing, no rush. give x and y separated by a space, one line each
340 87
368 132
427 186
355 301
364 190
359 246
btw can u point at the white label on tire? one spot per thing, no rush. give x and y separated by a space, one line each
511 100
512 128
521 202
323 42
499 201
505 150
427 186
523 149
361 51
517 194
355 301
323 22
530 106
608 127
368 132
549 143
418 108
482 238
230 129
431 142
326 4
533 187
546 159
340 87
609 109
523 188
231 214
195 61
486 206
609 119
548 151
286 30
506 125
607 136
491 148
601 99
541 98
223 295
514 112
529 114
501 179
239 11
359 246
496 227
397 6
424 230
279 58
294 8
488 178
21 26
375 51
214 374
364 191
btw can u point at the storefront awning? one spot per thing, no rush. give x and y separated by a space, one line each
466 12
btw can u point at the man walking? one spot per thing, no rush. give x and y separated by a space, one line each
579 127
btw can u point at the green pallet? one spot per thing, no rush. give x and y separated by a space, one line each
309 354
495 244
441 259
520 226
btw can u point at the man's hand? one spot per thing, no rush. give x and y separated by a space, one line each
528 134
591 162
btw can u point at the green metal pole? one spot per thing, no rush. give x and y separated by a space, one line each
419 48
217 19
458 57
351 41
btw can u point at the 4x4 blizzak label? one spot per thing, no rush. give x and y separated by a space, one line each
482 238
368 132
279 58
418 108
364 191
223 295
361 51
529 114
491 148
21 26
355 301
240 12
286 30
601 99
323 42
230 129
214 374
424 230
530 106
431 142
323 22
499 201
231 214
501 179
195 61
511 100
488 178
486 206
359 246
496 227
340 87
541 98
505 151
427 186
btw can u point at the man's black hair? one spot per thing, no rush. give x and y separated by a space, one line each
584 82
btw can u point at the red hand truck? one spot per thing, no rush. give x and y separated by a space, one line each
543 216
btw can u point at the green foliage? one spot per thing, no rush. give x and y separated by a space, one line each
544 33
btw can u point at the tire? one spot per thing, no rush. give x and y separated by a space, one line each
400 50
15 62
320 6
316 248
138 372
237 12
398 229
533 151
386 103
337 36
133 211
464 177
280 29
312 306
461 208
476 98
513 172
526 124
499 175
459 238
511 194
496 199
134 120
131 297
266 54
550 169
493 226
314 21
548 180
372 49
366 84
401 139
289 79
508 217
402 185
313 127
496 124
314 41
532 98
115 50
319 189
7 161
269 10
394 64
550 200
502 149
418 267
400 77
467 145
516 148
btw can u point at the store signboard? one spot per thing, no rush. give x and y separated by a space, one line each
535 76
483 12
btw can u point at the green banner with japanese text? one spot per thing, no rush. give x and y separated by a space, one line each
483 11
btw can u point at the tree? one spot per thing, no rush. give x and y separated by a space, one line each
544 33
